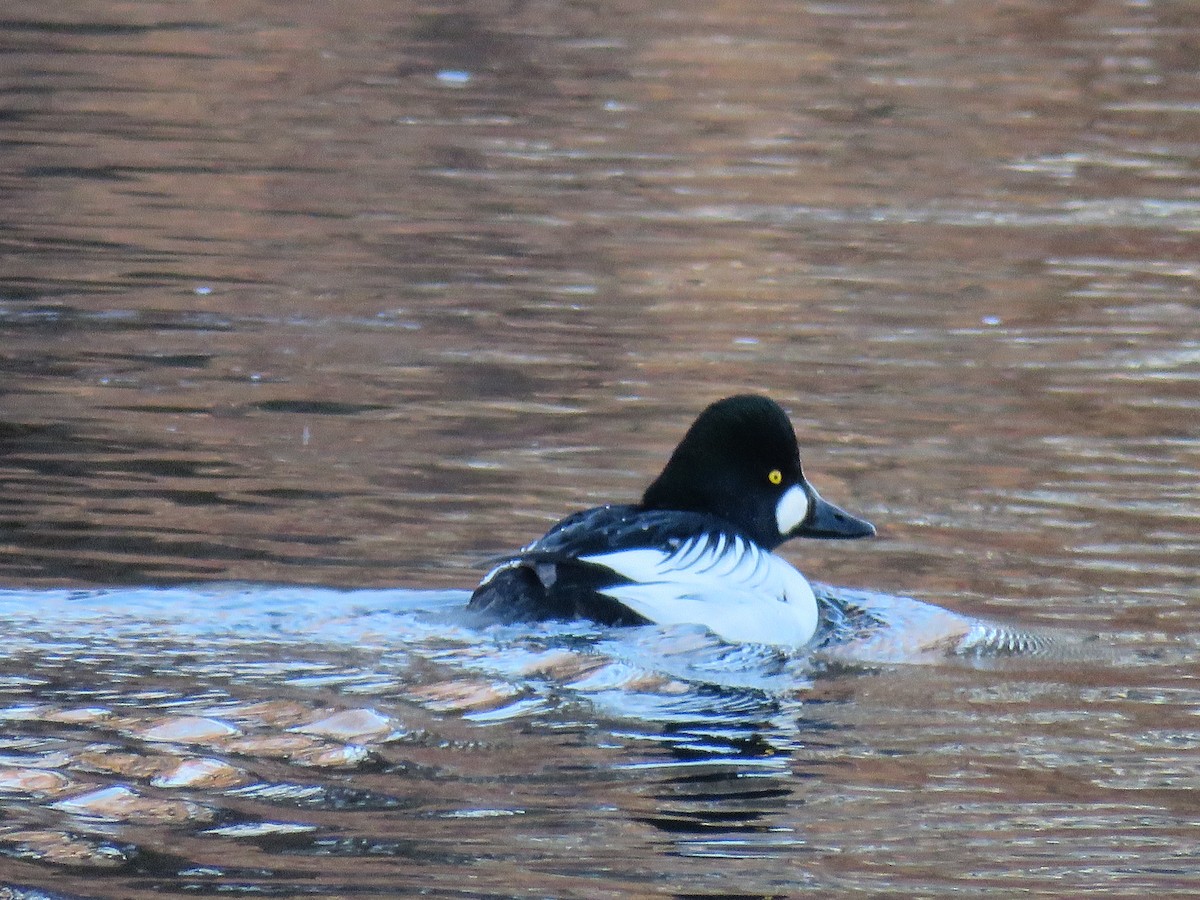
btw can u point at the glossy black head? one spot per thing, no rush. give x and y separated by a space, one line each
740 461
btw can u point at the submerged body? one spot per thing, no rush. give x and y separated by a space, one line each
696 550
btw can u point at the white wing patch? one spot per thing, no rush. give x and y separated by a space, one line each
733 587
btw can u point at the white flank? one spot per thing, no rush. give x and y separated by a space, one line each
734 588
791 509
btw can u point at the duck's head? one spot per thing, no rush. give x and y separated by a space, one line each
740 461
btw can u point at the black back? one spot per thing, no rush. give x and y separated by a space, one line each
548 580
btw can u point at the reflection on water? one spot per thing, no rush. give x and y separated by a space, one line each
240 739
361 296
208 727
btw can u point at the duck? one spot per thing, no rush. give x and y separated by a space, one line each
698 549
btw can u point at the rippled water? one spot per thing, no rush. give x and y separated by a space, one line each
357 296
242 739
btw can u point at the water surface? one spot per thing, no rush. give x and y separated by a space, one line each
355 298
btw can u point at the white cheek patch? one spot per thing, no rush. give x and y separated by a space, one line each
791 509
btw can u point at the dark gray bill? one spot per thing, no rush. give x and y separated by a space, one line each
824 520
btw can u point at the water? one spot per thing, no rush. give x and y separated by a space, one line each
294 741
351 299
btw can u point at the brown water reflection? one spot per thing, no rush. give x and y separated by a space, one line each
362 294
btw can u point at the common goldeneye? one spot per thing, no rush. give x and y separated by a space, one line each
696 550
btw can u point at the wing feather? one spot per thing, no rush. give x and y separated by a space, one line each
735 588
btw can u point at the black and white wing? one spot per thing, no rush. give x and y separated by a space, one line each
723 581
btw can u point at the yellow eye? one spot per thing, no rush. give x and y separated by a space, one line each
775 476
